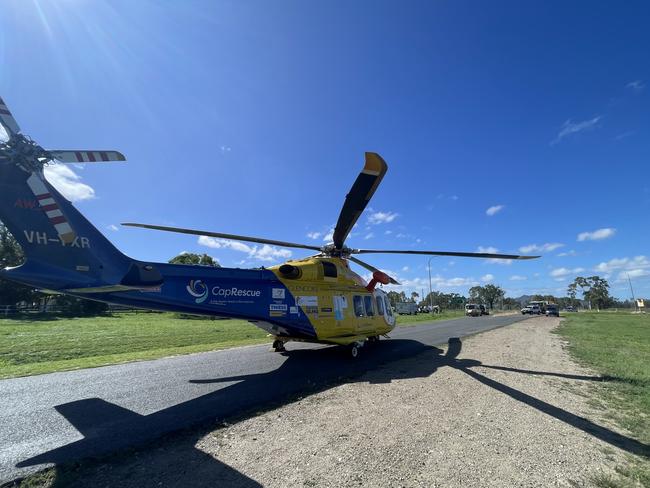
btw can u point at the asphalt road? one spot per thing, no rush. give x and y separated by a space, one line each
62 417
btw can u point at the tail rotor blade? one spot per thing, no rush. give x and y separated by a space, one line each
75 156
7 119
360 194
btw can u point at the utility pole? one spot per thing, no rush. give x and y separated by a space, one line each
631 290
430 289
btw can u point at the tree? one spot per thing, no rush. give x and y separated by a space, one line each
487 294
11 254
396 297
594 289
414 296
196 259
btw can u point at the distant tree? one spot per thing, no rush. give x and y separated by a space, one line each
491 293
414 296
594 289
487 294
196 259
11 254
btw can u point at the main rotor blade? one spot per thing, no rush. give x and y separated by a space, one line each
369 267
220 235
360 194
446 253
75 156
7 119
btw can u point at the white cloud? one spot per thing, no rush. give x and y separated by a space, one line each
225 149
405 268
567 253
381 217
564 272
633 273
548 247
314 235
113 227
597 235
518 278
636 85
388 232
570 127
493 210
369 235
627 264
263 253
68 182
487 278
329 237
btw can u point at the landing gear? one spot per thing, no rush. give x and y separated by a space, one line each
373 340
278 346
355 348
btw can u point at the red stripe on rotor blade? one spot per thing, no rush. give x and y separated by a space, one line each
104 156
79 157
91 157
58 220
43 196
51 206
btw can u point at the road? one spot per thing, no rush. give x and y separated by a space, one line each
62 417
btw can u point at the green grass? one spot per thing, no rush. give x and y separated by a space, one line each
618 346
427 317
29 346
35 345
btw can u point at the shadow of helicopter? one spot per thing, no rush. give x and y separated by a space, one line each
107 427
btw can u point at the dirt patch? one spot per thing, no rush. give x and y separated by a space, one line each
505 408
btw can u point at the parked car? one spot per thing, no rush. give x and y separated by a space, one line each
552 311
531 310
484 310
407 308
570 309
472 310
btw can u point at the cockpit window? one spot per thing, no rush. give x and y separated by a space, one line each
329 269
388 309
380 306
358 306
370 311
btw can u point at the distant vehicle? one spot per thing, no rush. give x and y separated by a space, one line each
407 308
484 310
472 310
570 309
531 310
552 310
542 304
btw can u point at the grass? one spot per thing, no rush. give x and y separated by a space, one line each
29 346
427 317
618 346
46 344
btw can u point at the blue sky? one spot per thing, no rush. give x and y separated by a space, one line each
517 126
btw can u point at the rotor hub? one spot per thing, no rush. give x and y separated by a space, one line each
23 152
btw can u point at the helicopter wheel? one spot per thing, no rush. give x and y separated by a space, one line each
354 350
278 346
373 339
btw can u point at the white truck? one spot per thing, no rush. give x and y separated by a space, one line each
407 308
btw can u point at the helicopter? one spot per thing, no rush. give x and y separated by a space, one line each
318 299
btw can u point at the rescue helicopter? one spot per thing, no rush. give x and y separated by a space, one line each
317 299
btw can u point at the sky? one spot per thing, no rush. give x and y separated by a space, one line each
517 127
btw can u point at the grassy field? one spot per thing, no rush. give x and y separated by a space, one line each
427 317
46 344
618 346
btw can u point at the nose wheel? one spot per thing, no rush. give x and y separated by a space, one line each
355 349
278 346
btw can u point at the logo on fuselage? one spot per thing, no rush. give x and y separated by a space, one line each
198 290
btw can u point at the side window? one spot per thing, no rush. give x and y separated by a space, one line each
388 309
358 306
329 269
370 311
380 306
